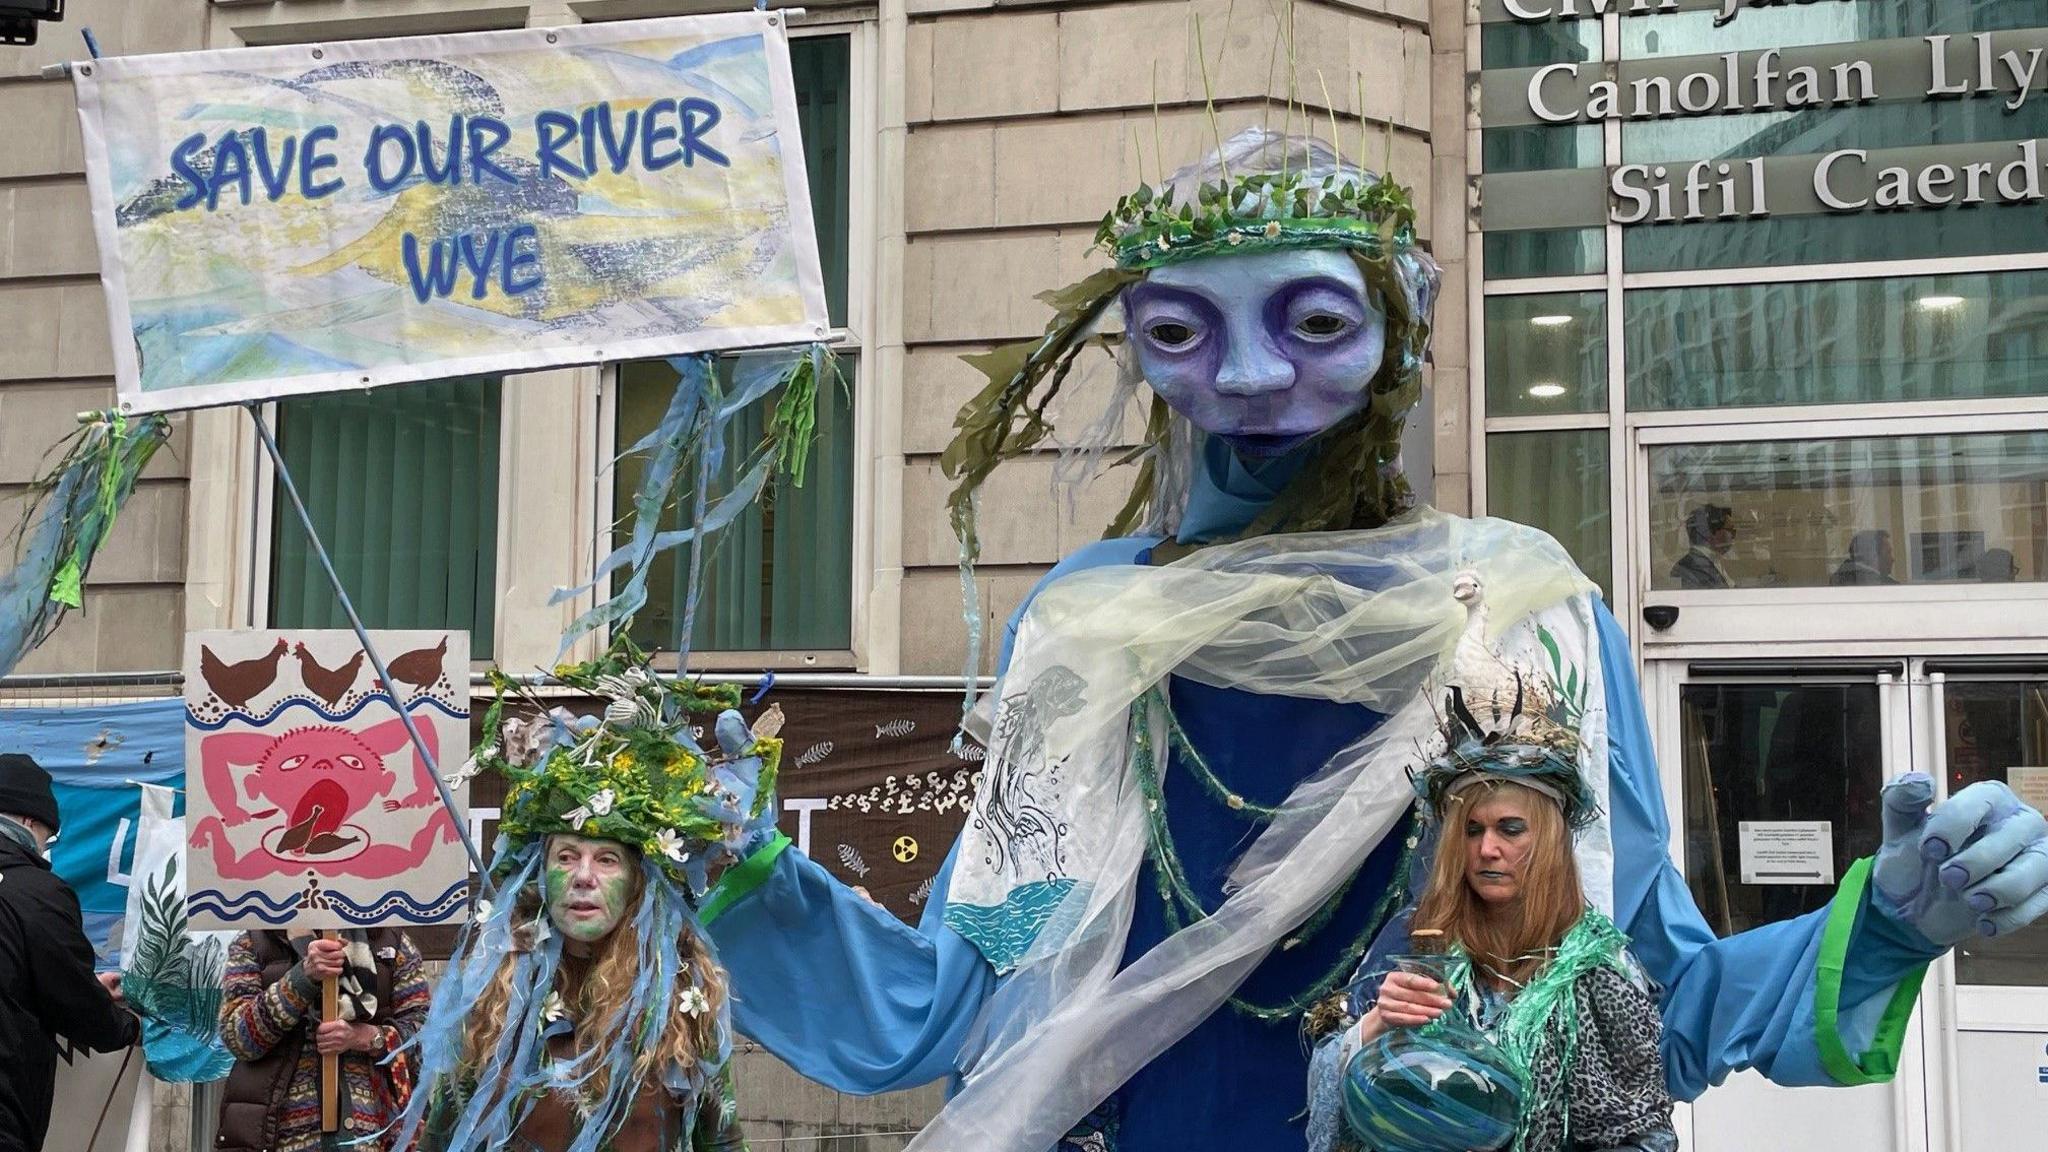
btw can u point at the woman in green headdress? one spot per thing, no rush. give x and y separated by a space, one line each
1543 975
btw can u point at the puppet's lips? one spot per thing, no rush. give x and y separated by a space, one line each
1268 443
330 798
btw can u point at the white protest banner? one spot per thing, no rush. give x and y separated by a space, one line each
285 220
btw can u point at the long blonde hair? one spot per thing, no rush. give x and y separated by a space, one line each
1510 942
595 992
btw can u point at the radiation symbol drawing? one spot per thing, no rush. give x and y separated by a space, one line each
905 849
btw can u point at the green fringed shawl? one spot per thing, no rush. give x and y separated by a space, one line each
1548 1007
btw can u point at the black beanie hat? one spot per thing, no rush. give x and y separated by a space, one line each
25 789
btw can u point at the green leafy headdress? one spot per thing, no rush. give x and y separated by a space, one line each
1259 192
640 774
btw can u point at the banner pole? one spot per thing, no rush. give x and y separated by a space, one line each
419 743
330 1063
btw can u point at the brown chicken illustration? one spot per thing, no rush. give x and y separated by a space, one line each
420 668
329 684
238 683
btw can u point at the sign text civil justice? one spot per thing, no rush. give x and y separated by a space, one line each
1659 193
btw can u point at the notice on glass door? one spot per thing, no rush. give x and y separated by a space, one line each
2031 784
1787 851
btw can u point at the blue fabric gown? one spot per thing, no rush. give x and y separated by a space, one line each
854 999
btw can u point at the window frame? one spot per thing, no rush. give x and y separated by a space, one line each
853 338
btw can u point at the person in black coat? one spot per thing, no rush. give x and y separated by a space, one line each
47 986
1710 530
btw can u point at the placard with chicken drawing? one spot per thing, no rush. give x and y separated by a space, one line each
306 802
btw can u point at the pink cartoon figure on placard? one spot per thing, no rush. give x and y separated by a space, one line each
320 796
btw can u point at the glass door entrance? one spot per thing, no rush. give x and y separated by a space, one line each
1989 1072
1773 771
1772 774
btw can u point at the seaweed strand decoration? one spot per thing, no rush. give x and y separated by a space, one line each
690 442
71 510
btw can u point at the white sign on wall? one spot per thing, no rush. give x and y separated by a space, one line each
1787 851
2031 784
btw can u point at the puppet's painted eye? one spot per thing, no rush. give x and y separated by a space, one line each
291 764
350 762
1172 335
1322 326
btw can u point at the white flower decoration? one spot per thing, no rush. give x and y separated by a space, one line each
693 1002
482 909
602 803
577 817
552 1009
669 844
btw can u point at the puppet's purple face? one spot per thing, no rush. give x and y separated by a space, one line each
1265 350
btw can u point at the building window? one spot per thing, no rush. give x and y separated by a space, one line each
1850 512
403 489
1596 338
1556 481
779 578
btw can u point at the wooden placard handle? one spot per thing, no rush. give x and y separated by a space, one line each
330 1065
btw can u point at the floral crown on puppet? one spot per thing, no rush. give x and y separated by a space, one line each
1318 205
638 775
1259 191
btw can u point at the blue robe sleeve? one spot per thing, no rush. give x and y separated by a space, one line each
1792 999
835 985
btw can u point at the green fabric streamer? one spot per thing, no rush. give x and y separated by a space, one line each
1880 1063
794 427
71 510
1548 1005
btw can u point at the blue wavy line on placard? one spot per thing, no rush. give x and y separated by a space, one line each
324 714
379 910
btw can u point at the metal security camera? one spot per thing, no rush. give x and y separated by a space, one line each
1660 616
19 19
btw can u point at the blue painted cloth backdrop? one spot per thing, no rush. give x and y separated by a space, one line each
853 998
96 755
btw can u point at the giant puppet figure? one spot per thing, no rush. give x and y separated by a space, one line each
1194 817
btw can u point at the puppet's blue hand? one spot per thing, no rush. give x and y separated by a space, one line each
1977 863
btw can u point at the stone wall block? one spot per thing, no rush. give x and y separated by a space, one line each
949 178
48 230
990 66
1126 55
917 71
42 130
1017 522
982 287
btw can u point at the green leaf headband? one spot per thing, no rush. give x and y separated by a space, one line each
1260 212
639 775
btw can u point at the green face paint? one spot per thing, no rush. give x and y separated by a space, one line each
588 885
